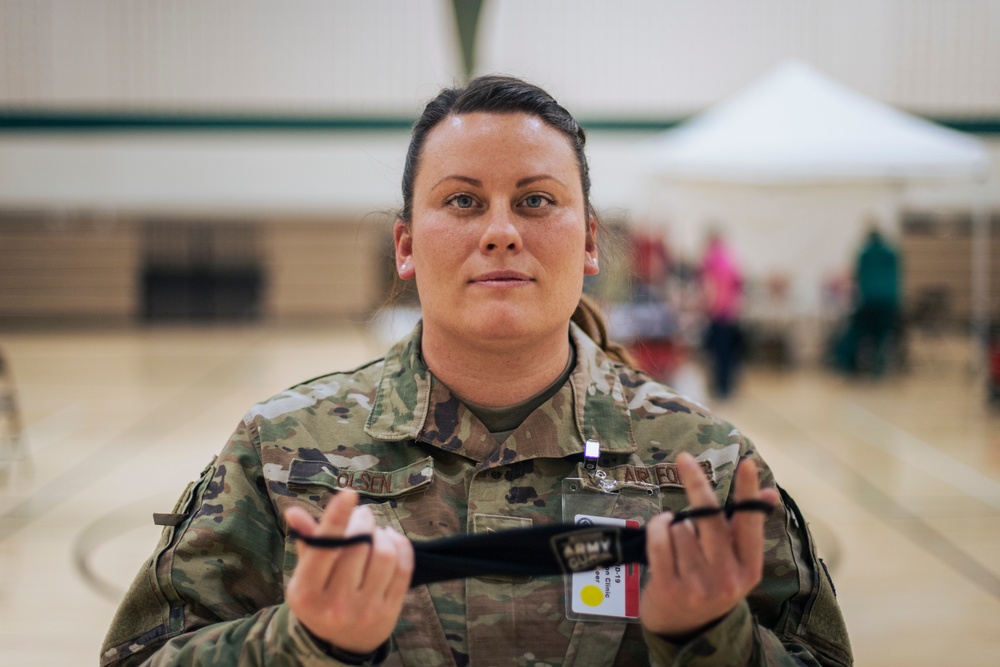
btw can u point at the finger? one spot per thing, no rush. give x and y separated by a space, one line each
337 514
317 563
300 521
688 554
381 566
349 572
696 485
747 481
714 532
660 548
748 527
399 583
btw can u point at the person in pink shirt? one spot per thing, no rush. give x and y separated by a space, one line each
722 291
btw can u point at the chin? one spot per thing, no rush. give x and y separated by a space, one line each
500 329
504 326
499 324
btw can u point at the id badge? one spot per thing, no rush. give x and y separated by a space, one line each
610 591
606 592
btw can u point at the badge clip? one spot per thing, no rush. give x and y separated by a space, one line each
591 455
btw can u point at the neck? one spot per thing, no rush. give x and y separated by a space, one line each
495 374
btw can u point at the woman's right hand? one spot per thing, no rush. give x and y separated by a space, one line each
350 597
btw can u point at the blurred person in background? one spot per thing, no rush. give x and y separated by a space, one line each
993 375
872 334
469 427
722 292
655 343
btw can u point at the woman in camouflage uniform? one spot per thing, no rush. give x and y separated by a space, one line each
470 425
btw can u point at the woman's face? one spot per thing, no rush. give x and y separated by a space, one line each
499 240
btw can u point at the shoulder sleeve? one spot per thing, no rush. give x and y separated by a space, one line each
212 592
798 593
791 618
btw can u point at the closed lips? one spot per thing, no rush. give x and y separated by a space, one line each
501 276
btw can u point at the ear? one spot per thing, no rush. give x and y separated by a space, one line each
590 267
403 242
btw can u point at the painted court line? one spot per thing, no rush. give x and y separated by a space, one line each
161 417
913 451
888 509
53 427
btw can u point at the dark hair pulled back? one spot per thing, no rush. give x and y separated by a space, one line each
493 94
504 94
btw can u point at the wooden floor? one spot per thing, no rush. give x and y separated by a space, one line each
900 478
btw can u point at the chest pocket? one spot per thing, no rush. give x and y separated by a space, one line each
418 633
313 482
375 484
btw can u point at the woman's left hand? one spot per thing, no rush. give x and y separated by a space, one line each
698 575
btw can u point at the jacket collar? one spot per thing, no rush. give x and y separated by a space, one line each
410 404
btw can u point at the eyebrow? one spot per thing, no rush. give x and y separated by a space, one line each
541 177
465 179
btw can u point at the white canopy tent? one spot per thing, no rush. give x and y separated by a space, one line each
793 170
796 127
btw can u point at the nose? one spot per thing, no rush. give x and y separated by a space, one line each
500 232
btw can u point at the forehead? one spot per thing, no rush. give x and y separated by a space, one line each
497 141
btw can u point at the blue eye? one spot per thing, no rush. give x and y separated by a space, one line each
463 201
536 201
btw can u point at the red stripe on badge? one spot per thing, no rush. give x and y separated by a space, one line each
632 577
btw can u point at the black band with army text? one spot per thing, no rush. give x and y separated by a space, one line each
554 549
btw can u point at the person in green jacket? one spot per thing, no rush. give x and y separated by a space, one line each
504 406
872 333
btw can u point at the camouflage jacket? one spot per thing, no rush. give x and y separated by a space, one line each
212 592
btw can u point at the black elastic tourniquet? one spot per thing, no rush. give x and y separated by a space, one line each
525 551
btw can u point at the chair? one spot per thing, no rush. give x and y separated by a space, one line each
929 315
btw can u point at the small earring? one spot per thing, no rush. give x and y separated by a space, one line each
405 266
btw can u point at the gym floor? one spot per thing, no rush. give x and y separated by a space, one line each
900 478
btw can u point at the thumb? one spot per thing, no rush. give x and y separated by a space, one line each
299 520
